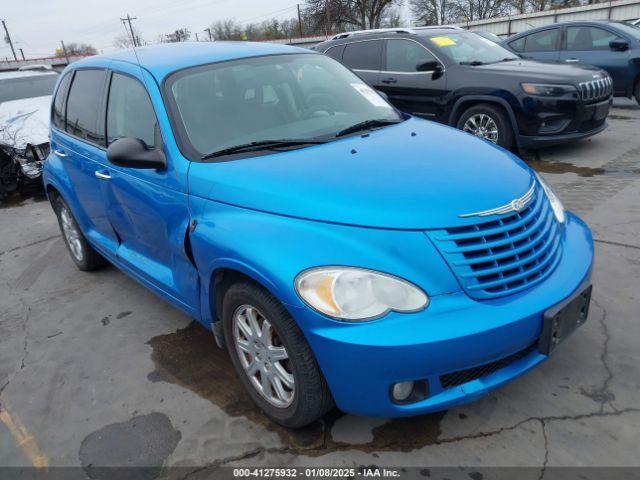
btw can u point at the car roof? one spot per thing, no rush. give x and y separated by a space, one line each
612 23
25 74
161 60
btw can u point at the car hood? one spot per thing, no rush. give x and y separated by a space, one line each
414 175
550 72
24 122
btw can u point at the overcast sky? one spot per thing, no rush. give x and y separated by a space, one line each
37 26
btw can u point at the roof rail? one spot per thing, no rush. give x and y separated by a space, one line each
371 32
438 27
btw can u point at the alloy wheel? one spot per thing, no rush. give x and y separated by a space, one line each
71 234
263 356
483 126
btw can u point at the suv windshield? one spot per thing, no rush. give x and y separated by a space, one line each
299 97
468 48
27 87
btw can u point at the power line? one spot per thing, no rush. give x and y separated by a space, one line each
268 14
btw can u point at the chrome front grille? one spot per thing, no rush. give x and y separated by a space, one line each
505 255
596 89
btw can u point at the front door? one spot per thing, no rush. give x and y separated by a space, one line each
364 57
543 45
586 45
408 88
148 208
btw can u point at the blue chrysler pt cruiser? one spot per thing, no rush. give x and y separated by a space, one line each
344 253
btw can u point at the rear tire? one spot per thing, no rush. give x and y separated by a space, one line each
83 255
305 396
489 122
636 91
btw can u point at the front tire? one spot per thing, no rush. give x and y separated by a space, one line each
272 357
489 122
83 255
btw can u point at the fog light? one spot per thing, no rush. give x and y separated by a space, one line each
401 391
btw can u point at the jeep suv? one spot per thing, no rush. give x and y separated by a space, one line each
464 80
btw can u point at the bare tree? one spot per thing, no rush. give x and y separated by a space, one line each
78 49
470 10
228 29
352 14
431 12
179 35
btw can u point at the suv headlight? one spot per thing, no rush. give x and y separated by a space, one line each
556 204
547 90
356 294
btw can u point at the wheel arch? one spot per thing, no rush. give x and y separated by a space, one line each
468 101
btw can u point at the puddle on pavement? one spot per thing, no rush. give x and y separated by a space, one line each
545 166
190 358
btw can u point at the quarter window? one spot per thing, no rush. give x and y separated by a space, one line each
129 111
57 117
589 38
363 55
518 45
405 56
84 105
335 52
544 41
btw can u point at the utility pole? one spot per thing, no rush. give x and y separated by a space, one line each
22 53
208 30
8 37
64 49
299 20
133 35
327 7
197 39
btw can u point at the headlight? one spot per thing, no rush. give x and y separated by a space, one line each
556 204
357 294
548 90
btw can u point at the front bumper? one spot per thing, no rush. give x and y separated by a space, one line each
361 361
547 122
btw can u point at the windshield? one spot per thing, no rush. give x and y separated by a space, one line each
27 87
300 96
469 48
632 30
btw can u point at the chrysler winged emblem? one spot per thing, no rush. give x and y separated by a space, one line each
515 205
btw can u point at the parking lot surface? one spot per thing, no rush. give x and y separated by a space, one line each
97 371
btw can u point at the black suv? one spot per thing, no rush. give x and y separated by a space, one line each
460 78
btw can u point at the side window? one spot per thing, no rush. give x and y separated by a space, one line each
518 45
365 55
335 52
83 105
129 111
57 115
589 38
544 41
405 56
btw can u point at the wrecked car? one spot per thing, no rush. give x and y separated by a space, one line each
25 97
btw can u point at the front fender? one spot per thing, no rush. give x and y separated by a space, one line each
274 249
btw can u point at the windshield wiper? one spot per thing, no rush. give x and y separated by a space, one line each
260 145
473 63
366 125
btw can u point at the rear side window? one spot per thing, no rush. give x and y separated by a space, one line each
129 111
405 56
363 55
57 115
83 105
544 41
518 45
589 38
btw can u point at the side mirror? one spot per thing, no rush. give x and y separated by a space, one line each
431 66
133 153
619 45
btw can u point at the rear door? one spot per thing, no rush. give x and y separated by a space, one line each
541 45
148 208
588 45
410 90
78 140
365 58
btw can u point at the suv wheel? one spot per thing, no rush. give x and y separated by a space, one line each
82 254
488 122
272 357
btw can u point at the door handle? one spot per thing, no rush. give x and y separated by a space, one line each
389 80
60 153
102 175
572 60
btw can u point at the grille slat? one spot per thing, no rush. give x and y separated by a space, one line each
504 253
596 89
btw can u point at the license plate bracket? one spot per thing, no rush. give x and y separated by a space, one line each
561 320
601 110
